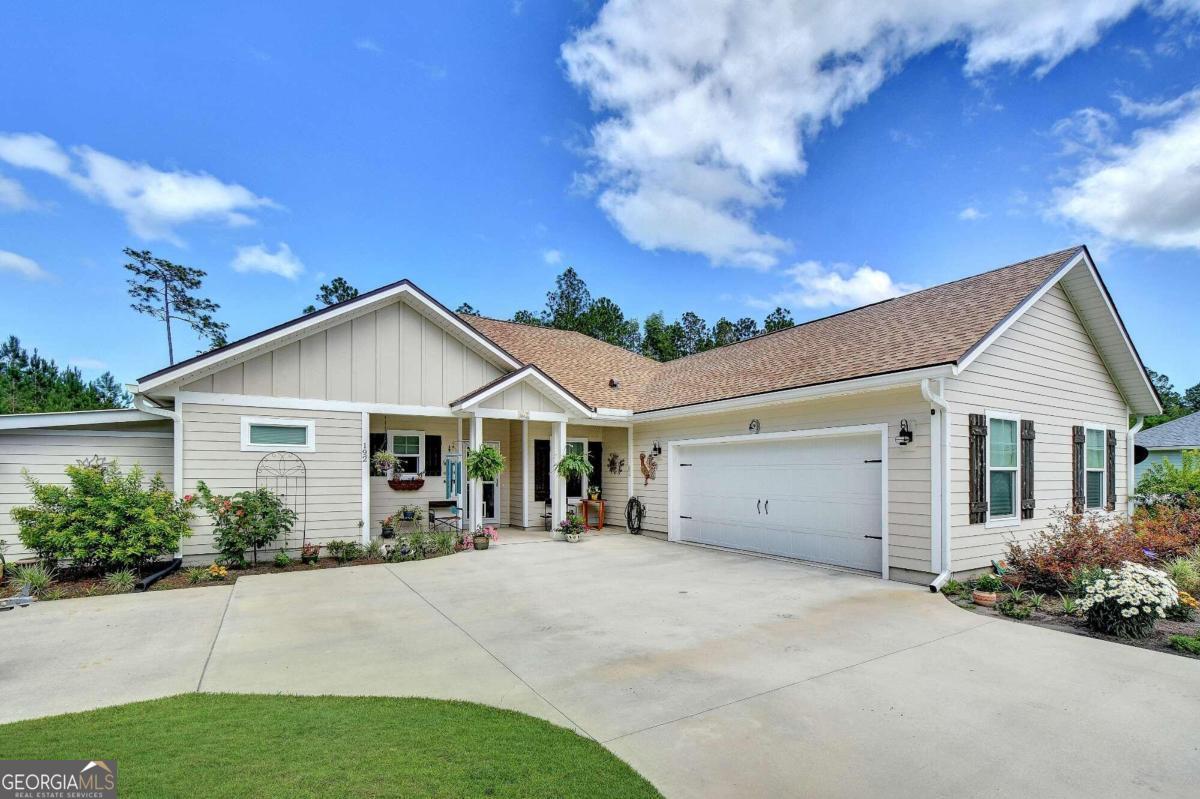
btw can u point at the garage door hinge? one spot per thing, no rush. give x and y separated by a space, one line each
876 537
873 460
685 464
685 517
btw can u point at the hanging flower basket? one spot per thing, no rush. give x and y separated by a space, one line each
406 484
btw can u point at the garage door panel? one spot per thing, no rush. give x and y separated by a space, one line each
817 499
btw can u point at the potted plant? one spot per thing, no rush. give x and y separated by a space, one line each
484 463
984 591
483 537
384 461
572 528
310 553
593 493
387 527
410 513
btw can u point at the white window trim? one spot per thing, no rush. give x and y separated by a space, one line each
420 434
310 435
1103 468
1015 519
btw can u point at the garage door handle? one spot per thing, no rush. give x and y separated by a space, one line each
767 507
685 517
760 507
873 460
876 537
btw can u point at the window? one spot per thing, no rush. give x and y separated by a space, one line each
1003 443
270 435
1094 455
408 447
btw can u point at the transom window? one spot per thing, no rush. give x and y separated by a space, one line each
1003 443
409 448
289 435
1094 455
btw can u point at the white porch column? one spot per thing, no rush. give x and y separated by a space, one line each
366 478
558 486
462 451
476 485
525 473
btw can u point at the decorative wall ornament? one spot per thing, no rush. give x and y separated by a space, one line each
649 467
285 475
616 464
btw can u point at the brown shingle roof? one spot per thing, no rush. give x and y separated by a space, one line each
938 325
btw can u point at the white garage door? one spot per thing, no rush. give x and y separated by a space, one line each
818 499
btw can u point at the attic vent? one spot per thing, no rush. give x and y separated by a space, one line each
613 383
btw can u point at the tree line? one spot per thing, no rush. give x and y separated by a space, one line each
1175 404
30 383
570 306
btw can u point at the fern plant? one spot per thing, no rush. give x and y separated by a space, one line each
484 463
573 464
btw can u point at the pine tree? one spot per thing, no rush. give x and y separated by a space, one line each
163 291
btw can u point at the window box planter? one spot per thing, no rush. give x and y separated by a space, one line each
406 484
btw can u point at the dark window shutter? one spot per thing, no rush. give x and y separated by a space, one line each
1027 438
433 456
596 459
1110 468
978 467
1078 440
541 470
377 442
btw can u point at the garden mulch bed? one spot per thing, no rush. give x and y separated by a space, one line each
1051 615
70 587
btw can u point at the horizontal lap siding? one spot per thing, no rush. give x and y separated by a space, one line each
1043 368
47 453
385 500
212 453
909 531
394 355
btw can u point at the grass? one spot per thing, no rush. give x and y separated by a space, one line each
239 745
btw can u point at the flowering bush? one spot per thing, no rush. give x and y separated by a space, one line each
217 572
572 525
1073 541
1128 602
246 520
468 538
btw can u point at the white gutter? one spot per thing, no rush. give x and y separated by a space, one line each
1130 480
940 472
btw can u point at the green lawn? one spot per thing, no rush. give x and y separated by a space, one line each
232 745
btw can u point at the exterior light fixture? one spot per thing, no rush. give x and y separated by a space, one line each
905 436
656 449
755 426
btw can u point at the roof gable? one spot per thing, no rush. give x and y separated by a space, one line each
521 391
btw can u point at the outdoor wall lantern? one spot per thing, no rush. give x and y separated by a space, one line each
905 436
657 448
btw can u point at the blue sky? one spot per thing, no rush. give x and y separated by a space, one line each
715 160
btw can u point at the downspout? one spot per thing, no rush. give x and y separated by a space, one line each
940 511
1130 480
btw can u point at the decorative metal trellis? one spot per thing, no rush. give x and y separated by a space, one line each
285 475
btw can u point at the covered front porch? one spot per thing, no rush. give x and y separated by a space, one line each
531 430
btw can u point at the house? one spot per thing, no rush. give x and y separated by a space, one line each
912 438
1167 441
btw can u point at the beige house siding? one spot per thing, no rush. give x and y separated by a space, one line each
46 454
909 498
212 453
394 355
384 500
1042 368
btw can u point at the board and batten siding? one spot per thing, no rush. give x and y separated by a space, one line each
909 497
46 453
394 355
1044 368
333 496
521 397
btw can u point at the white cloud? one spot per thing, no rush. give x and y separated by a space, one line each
1156 110
25 267
1084 130
708 104
153 202
840 286
367 45
87 363
552 257
258 258
1146 192
971 214
13 196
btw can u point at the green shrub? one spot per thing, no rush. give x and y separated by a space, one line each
1186 643
196 574
954 588
1185 573
443 542
344 551
121 581
988 582
1012 608
1166 483
418 542
282 560
103 518
37 576
373 550
248 520
1127 603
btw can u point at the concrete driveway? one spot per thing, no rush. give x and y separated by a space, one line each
713 674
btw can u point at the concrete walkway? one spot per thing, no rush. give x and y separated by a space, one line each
713 674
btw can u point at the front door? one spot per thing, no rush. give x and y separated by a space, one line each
490 496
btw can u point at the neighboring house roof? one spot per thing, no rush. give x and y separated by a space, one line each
1181 433
943 325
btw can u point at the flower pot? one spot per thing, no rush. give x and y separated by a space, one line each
481 541
387 532
406 485
573 538
985 598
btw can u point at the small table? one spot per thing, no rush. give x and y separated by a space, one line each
589 506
